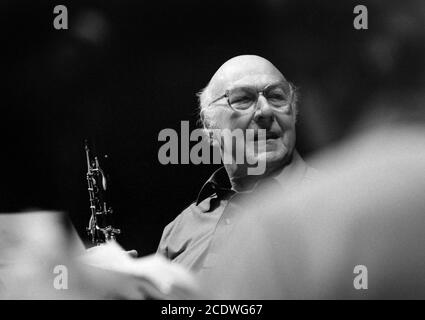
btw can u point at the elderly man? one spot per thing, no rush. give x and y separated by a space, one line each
246 93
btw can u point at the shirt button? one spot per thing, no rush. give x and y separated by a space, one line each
227 221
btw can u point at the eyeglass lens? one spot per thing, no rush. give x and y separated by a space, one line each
243 98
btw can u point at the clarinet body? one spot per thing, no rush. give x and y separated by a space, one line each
100 229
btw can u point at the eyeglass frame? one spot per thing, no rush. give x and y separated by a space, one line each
227 93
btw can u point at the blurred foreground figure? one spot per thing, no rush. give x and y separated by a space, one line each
369 211
41 257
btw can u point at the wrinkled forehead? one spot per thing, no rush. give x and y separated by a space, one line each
257 74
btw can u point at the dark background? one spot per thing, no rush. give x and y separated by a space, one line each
125 70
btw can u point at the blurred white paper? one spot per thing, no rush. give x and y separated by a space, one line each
34 244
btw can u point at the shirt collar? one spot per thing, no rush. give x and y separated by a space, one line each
219 182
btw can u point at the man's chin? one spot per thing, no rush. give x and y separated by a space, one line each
271 158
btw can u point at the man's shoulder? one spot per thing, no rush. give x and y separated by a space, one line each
187 219
179 220
174 228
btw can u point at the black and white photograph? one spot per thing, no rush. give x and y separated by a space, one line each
223 152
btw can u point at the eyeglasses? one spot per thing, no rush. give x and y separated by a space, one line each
244 98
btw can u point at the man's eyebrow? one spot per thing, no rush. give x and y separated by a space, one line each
280 83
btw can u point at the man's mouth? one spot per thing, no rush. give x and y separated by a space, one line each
272 135
269 135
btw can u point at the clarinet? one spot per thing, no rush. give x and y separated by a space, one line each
100 229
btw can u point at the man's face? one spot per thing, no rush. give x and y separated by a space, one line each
278 123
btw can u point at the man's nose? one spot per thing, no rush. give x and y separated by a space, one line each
263 110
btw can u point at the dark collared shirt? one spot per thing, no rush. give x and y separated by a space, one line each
193 237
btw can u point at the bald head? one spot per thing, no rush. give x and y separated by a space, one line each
250 70
247 68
